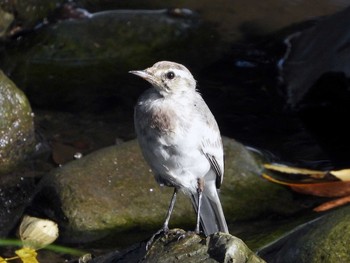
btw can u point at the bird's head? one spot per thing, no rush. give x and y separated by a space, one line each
168 77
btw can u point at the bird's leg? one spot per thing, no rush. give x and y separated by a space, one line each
200 189
165 227
170 211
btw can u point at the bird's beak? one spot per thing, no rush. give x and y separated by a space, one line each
146 76
141 73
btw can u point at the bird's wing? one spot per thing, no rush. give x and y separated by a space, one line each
217 168
212 146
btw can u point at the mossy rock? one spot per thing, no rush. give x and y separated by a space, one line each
112 192
16 125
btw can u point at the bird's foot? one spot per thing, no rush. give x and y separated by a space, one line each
163 230
189 233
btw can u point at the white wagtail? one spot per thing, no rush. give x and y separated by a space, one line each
181 141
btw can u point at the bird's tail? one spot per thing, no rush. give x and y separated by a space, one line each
211 214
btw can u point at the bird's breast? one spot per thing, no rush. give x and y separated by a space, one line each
162 120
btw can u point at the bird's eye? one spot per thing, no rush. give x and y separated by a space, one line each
170 75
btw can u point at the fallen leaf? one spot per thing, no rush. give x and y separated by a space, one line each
335 183
37 233
331 189
332 204
27 255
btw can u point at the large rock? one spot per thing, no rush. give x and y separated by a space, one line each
112 191
179 246
313 52
26 14
84 63
16 143
16 191
323 240
316 74
217 247
16 125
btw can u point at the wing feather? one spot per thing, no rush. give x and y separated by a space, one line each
212 145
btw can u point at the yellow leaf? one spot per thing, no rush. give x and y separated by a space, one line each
295 170
2 260
27 255
343 175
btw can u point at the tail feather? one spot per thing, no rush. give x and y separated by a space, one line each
211 214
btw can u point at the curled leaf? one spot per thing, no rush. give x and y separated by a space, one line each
332 204
295 170
37 233
333 183
327 189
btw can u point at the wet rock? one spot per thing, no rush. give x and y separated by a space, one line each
190 247
244 194
29 13
84 63
110 189
15 194
316 75
313 52
112 192
179 246
325 240
16 125
5 21
16 143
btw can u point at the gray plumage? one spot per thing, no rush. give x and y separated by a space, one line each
181 141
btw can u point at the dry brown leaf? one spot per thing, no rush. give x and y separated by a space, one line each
332 204
330 189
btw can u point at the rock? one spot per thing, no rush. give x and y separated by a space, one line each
5 21
83 64
17 140
112 192
324 240
16 192
184 247
244 193
179 246
313 52
17 137
28 14
316 74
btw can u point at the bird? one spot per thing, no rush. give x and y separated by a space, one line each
180 140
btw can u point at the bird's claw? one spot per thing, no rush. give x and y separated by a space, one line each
149 243
189 233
